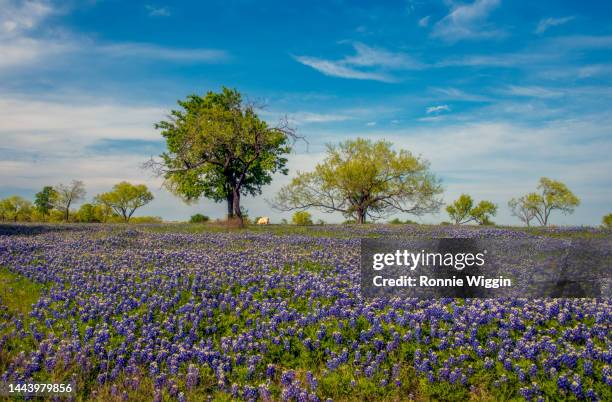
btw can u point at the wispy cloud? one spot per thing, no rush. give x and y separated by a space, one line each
338 69
17 17
423 22
20 47
371 124
546 23
438 109
368 63
531 92
154 52
155 11
467 21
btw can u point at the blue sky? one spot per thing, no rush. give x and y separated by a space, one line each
495 94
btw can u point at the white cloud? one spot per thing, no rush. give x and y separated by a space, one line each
367 56
337 69
154 52
47 127
546 23
23 51
154 11
467 21
23 46
532 92
423 22
582 42
20 16
438 109
376 61
371 123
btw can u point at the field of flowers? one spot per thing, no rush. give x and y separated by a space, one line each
170 313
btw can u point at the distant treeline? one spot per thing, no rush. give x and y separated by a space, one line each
56 204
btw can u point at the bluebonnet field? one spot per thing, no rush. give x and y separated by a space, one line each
167 312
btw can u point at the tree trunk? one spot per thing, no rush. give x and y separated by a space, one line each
236 205
361 216
230 205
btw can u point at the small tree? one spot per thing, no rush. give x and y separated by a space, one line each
606 221
125 199
463 211
364 179
523 209
44 200
67 195
199 218
483 212
553 195
302 218
459 211
15 208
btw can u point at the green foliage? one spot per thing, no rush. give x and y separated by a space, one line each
15 208
87 213
606 221
459 211
18 293
463 211
483 212
398 221
219 148
360 179
301 218
125 199
45 199
198 218
553 195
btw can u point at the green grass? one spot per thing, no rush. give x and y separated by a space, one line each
18 293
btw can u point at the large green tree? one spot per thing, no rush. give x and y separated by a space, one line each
218 148
125 199
44 200
363 179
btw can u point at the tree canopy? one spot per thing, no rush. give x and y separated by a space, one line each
45 199
553 195
363 179
14 208
125 198
464 211
523 209
66 195
218 148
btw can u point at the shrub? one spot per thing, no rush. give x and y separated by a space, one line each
199 218
606 221
398 221
302 218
